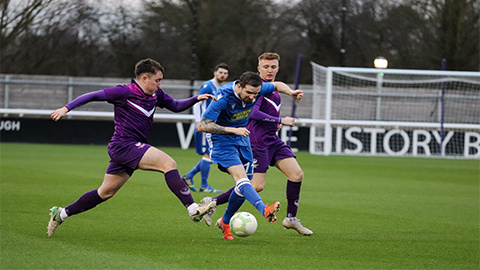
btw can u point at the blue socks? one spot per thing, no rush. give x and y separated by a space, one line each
243 190
194 170
205 170
235 201
203 166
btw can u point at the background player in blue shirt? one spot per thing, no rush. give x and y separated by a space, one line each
226 119
202 144
134 107
268 149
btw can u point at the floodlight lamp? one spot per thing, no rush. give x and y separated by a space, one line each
380 62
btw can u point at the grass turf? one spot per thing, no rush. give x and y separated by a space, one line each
365 212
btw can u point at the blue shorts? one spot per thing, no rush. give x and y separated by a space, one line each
269 154
125 156
203 142
230 155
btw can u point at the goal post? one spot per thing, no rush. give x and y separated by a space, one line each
395 112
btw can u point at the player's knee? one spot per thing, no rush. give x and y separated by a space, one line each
105 195
257 187
297 176
170 165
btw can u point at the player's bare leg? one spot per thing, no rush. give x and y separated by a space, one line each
111 184
258 181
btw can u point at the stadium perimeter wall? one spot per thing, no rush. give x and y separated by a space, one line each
41 93
98 132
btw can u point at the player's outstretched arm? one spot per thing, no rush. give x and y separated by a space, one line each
208 125
183 104
79 101
285 89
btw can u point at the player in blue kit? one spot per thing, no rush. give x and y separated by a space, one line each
134 107
202 145
268 149
226 120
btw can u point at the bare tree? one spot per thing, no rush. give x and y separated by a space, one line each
410 33
16 18
231 31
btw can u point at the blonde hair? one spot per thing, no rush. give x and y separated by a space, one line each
269 56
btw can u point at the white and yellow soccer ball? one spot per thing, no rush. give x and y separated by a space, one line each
243 224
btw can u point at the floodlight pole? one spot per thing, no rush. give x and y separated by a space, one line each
342 35
294 104
193 43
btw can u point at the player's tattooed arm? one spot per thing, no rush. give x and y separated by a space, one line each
208 125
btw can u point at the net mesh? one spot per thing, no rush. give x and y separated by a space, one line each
396 112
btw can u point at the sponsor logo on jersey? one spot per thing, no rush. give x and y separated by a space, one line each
241 115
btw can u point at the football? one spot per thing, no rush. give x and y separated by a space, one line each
243 224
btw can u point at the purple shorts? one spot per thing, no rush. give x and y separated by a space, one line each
269 154
125 156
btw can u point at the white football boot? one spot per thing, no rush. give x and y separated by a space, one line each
294 223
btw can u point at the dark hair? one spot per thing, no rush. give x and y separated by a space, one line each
221 65
149 66
250 78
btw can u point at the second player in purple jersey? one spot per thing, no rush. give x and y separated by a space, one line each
267 112
263 124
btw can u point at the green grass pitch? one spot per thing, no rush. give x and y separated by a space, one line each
365 212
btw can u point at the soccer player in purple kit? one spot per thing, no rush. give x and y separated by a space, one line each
269 149
226 120
134 107
202 145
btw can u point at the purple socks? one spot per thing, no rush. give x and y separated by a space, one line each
293 195
178 187
86 202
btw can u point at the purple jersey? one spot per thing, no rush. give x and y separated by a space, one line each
133 109
264 119
267 147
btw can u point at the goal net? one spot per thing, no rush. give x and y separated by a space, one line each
365 111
